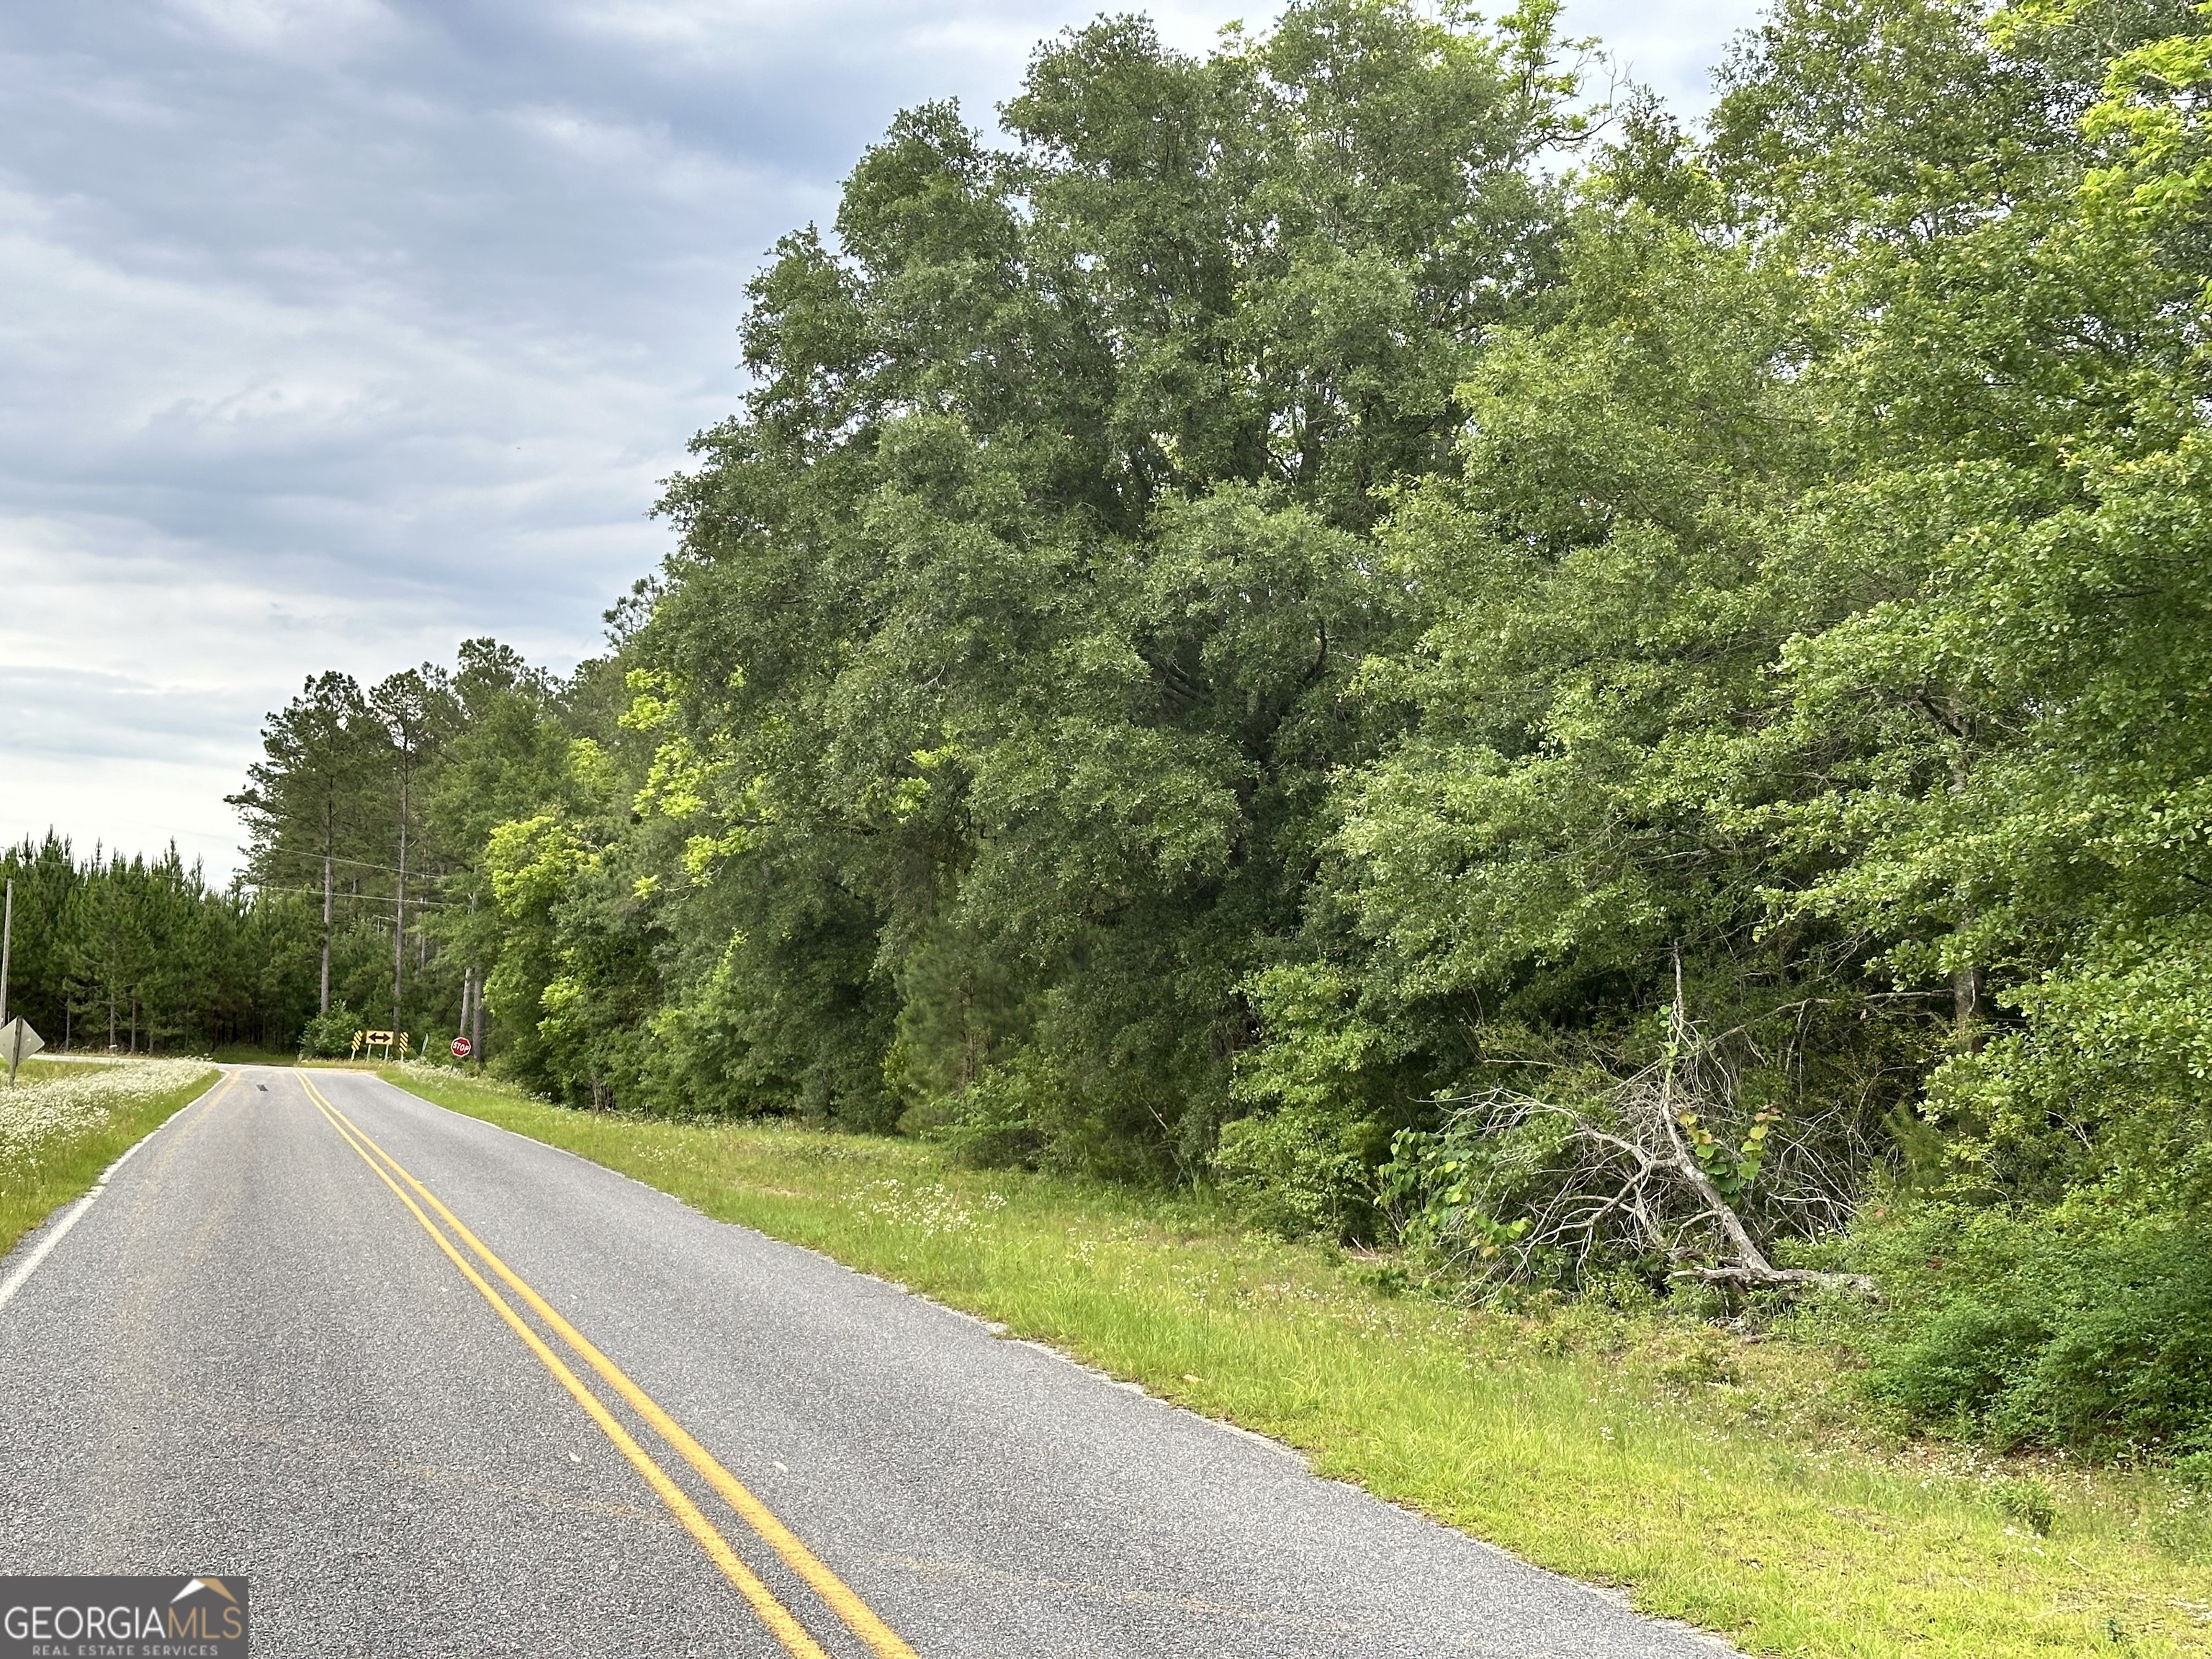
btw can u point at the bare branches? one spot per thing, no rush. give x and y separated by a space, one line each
1663 1161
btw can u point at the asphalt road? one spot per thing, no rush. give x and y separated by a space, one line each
252 1354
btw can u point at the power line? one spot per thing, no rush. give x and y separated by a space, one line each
365 864
360 898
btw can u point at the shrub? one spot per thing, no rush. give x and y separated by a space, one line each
1298 1174
2045 1328
998 1121
330 1036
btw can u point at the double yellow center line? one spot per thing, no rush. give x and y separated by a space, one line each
858 1617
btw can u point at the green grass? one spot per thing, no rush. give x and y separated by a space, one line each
38 1178
1737 1486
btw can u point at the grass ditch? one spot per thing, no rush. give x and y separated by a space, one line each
64 1121
1736 1485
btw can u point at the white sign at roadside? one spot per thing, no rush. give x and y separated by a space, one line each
18 1043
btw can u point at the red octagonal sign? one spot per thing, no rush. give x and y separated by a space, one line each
462 1047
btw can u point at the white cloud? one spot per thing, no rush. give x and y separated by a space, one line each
313 31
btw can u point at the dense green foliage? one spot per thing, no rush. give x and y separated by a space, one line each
1335 617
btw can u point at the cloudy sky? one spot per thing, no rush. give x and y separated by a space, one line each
338 331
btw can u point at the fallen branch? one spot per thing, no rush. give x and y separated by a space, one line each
1628 1173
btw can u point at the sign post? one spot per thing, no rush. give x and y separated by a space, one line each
18 1040
7 940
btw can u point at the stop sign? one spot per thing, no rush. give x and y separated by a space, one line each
461 1048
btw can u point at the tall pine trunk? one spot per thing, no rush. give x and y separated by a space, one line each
323 991
400 909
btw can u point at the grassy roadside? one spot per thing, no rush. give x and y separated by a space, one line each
1732 1486
64 1122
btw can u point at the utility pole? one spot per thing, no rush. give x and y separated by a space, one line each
473 1002
400 916
7 942
323 1002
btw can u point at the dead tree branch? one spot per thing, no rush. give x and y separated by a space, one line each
1623 1169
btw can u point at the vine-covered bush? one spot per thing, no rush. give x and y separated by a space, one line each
2045 1328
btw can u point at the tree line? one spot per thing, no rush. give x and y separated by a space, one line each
369 810
1623 703
367 818
136 955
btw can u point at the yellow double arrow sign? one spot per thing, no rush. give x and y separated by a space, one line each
858 1617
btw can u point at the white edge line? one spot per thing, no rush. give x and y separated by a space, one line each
58 1231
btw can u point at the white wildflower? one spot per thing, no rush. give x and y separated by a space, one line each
81 1097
